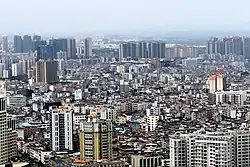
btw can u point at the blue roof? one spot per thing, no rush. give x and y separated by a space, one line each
133 121
119 129
25 124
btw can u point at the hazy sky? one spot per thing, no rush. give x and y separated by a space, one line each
88 16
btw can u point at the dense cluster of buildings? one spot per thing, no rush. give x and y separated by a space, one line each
47 49
229 45
156 49
133 104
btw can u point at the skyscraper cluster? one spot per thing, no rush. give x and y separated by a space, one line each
154 49
229 45
14 68
22 44
181 51
44 49
54 46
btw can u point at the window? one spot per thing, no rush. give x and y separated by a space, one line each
56 118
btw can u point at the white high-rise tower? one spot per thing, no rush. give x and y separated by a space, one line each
3 125
61 128
7 130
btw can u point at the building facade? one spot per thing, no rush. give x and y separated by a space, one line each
46 71
96 139
61 128
7 130
88 47
215 149
5 44
148 161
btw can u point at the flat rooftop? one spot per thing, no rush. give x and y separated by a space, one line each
18 164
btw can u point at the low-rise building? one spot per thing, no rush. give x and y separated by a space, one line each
145 161
16 100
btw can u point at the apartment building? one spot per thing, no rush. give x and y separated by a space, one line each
213 149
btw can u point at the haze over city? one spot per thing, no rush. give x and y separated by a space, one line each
116 16
124 83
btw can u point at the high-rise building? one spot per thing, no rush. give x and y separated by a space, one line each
242 138
41 71
212 83
207 149
88 47
12 136
23 66
162 49
220 82
181 51
228 45
37 38
96 139
2 68
217 83
61 67
5 43
132 50
57 45
60 44
7 130
18 44
3 125
62 55
16 69
246 47
45 52
153 50
177 151
80 51
71 48
46 71
60 64
211 45
27 43
6 74
61 128
237 46
226 148
219 47
141 50
37 44
123 51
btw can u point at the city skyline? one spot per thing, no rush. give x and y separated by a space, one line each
111 16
